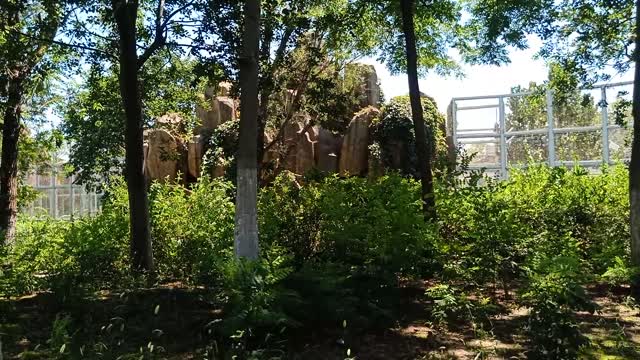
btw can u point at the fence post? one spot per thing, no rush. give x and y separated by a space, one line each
604 110
503 139
454 123
53 201
551 142
72 196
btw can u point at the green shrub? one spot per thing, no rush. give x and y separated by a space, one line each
192 234
449 304
192 230
35 255
70 257
375 226
554 291
393 134
620 273
488 232
255 314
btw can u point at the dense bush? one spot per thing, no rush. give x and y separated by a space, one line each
337 249
69 257
554 292
192 230
489 232
192 233
394 136
548 231
372 225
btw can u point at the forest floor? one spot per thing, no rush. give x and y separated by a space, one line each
173 321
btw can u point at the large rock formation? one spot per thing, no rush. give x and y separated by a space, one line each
355 147
162 155
372 88
195 152
369 90
221 109
299 145
327 150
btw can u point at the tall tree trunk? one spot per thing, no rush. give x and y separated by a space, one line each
9 158
267 87
422 148
634 165
125 13
246 227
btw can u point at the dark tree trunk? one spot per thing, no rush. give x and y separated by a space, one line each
634 165
267 86
9 158
422 148
263 114
125 14
246 227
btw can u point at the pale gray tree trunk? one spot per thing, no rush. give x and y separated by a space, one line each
634 165
246 229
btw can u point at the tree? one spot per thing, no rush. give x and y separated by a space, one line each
125 14
286 28
122 26
246 229
93 118
26 60
634 165
422 148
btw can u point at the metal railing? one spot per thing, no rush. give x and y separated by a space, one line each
59 197
501 135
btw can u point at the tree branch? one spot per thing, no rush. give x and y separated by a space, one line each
74 46
197 47
175 12
159 39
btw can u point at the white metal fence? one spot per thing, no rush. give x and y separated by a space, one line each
59 197
513 130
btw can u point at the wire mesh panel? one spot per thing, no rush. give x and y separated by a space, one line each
588 127
59 197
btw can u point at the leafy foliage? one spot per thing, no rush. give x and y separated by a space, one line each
394 135
385 234
336 249
554 292
94 121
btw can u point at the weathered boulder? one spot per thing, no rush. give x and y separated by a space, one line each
162 155
195 149
170 120
327 150
289 100
221 109
368 89
398 155
299 145
224 88
218 171
355 146
372 88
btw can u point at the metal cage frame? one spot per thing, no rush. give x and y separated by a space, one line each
502 134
